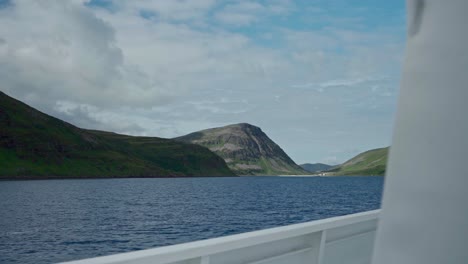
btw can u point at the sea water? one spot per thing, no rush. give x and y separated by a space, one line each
50 221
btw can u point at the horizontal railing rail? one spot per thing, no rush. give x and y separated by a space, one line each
345 239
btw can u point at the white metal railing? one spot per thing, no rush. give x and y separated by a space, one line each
345 239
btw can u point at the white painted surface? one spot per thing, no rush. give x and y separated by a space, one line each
424 215
326 241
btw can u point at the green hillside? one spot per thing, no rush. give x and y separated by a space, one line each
372 162
35 145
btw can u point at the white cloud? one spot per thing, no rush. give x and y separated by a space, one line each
351 82
244 13
63 50
168 9
237 19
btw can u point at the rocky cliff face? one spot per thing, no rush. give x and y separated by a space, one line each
246 149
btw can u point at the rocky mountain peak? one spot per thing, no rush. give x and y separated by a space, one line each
246 149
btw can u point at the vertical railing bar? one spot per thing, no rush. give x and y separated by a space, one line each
321 251
205 260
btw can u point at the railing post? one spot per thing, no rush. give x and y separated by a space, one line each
323 240
205 260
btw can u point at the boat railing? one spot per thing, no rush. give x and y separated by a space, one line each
344 239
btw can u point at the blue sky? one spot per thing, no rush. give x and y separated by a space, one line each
319 77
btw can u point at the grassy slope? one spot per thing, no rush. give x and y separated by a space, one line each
372 162
267 168
35 145
270 169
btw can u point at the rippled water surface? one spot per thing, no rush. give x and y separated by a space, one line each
57 220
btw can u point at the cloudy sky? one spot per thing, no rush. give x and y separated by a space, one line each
320 77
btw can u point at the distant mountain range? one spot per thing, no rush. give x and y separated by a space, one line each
246 149
372 162
35 145
315 167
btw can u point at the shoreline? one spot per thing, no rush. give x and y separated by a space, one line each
300 175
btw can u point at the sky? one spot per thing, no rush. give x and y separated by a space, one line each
320 77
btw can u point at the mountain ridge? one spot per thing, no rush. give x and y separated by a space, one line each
246 149
34 145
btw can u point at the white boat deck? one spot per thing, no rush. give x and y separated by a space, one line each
345 239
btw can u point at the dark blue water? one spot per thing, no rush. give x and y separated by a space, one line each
58 220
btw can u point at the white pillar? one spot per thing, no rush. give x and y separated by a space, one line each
424 215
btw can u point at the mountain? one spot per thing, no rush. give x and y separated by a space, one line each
35 145
246 149
315 167
372 162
